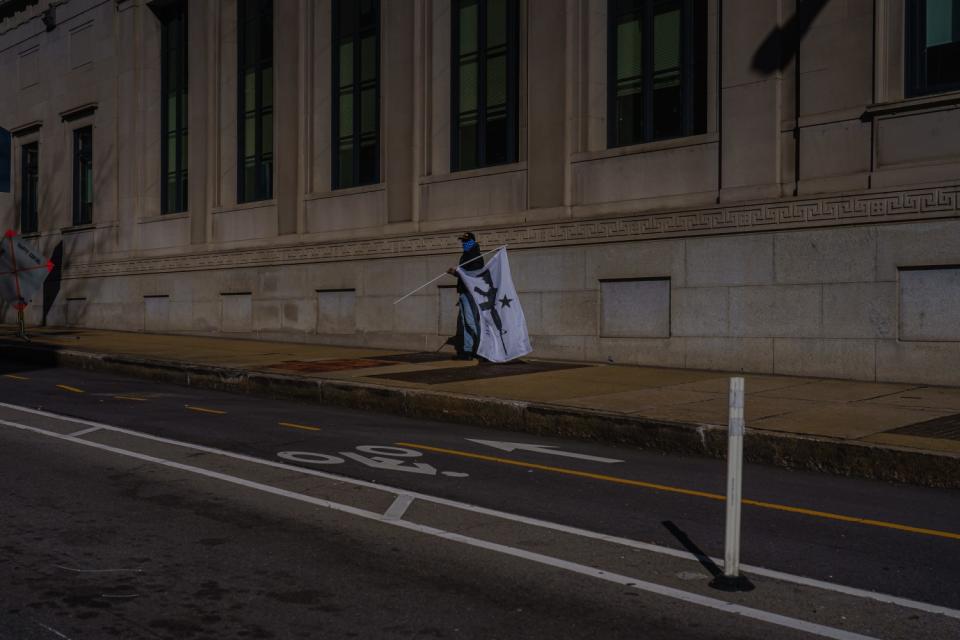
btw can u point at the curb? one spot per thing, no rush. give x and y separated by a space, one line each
791 451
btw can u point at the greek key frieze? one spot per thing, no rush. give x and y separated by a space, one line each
936 202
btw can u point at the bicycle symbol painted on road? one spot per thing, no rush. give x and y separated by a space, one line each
378 457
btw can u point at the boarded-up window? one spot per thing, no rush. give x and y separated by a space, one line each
156 313
336 311
236 312
635 308
930 304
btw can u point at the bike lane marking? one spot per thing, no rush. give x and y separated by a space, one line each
773 506
513 517
381 457
559 563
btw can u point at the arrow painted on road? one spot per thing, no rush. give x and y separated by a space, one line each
540 448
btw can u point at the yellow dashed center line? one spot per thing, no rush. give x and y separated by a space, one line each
14 376
689 492
294 425
129 398
66 387
204 410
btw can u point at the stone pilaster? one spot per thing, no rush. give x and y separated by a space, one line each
199 36
286 60
547 98
397 87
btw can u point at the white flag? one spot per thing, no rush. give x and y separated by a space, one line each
503 329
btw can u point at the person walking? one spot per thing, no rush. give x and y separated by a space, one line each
468 320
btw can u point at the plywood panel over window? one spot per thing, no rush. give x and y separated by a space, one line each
236 312
156 313
336 311
635 308
930 304
76 311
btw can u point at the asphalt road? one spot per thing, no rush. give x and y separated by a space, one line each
246 555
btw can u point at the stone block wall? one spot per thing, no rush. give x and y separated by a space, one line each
810 229
820 302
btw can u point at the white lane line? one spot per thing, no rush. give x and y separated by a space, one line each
53 631
83 432
544 524
399 507
635 583
60 566
642 585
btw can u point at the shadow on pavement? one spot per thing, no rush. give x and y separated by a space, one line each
18 356
719 581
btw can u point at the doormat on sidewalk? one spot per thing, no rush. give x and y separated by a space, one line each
324 366
945 428
416 358
478 372
58 332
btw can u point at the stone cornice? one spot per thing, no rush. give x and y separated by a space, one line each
16 13
861 208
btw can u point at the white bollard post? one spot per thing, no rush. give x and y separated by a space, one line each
731 579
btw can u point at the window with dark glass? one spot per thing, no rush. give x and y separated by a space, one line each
656 70
356 85
83 176
933 46
484 92
255 99
173 70
29 181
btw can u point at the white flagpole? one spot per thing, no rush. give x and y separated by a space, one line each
444 273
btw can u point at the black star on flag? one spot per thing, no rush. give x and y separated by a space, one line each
503 333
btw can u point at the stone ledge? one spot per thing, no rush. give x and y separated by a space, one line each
792 451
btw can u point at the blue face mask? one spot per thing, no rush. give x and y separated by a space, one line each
469 244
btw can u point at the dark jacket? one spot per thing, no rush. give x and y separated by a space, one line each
468 256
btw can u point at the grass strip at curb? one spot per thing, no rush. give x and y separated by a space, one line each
792 451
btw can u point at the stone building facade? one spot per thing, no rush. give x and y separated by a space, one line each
768 186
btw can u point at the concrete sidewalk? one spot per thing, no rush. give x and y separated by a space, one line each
899 432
